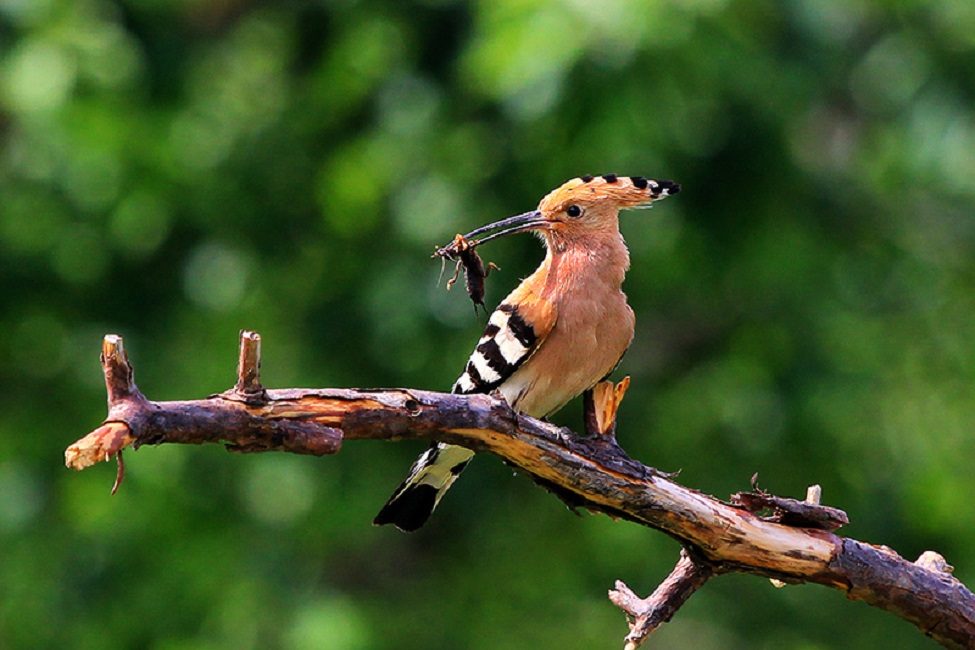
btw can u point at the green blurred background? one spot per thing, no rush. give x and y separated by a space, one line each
174 171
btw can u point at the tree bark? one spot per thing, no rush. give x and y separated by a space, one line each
793 544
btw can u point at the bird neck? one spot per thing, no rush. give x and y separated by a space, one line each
599 262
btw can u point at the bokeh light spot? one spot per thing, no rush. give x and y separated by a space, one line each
22 497
279 490
216 276
38 76
39 344
79 256
328 623
140 223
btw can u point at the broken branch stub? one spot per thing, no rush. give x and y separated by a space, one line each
249 365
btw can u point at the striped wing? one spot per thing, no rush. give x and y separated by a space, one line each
509 339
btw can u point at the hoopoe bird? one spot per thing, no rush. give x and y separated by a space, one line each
562 330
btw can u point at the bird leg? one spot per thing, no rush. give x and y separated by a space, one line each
589 413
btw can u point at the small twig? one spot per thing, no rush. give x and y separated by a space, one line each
644 615
249 365
792 512
814 494
119 472
607 397
99 445
119 378
600 405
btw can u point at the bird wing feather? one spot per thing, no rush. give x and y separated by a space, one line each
513 334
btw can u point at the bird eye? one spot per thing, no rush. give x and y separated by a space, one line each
574 211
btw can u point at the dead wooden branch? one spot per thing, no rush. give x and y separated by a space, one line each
795 545
791 512
645 615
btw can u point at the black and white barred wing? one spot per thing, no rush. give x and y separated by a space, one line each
508 341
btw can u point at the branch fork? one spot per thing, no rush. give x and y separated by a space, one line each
644 615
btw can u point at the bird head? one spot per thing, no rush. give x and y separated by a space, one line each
582 207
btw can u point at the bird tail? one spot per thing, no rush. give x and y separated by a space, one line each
430 477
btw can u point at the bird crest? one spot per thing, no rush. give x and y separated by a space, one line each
622 191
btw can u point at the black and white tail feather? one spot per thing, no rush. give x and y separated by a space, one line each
506 344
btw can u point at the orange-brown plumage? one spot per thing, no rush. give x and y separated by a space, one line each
562 330
575 298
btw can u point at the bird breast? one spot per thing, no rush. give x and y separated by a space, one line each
593 328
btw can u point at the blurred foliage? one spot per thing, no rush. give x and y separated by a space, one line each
176 170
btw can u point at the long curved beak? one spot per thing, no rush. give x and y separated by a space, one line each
518 223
